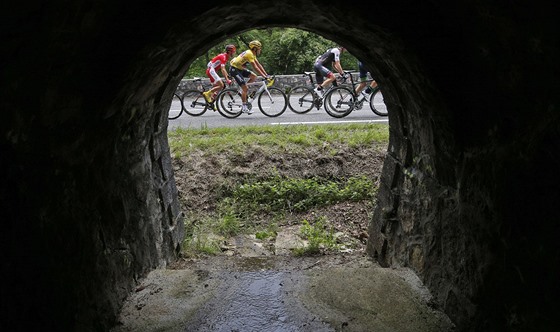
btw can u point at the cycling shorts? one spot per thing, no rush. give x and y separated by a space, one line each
239 75
211 73
321 72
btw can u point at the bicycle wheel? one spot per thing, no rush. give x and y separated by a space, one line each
229 103
377 104
301 99
339 102
273 103
194 103
176 108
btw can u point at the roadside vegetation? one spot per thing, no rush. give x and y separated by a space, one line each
286 51
257 180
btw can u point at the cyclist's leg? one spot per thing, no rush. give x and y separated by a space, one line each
215 80
320 73
372 86
360 87
238 76
229 103
330 79
218 86
363 78
252 77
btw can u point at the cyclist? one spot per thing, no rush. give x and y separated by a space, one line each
330 57
363 80
239 71
219 60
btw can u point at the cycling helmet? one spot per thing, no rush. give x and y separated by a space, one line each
230 49
255 43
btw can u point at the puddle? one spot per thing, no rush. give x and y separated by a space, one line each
255 301
281 294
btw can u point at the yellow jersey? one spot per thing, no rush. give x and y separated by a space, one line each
242 59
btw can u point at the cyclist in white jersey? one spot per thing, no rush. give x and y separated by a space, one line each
330 57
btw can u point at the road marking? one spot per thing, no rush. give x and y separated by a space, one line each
329 122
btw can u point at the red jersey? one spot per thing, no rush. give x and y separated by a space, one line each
218 60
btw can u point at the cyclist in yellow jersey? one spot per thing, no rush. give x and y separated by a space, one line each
239 71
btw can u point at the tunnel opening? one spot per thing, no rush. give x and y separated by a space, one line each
104 212
349 65
419 164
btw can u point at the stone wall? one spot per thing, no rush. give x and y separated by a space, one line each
282 81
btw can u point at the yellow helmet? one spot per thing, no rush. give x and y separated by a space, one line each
255 43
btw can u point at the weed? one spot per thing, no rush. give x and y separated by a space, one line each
262 235
296 195
201 242
319 236
228 225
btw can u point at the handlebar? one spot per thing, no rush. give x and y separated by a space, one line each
270 80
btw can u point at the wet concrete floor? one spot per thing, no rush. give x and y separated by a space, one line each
245 294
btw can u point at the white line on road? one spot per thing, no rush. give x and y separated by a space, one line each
328 122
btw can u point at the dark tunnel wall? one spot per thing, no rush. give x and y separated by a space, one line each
468 191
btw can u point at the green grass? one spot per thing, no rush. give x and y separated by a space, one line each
278 194
244 201
319 235
275 138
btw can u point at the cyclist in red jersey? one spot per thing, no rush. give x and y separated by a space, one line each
219 60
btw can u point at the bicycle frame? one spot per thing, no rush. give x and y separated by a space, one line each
303 98
346 100
263 87
318 100
265 96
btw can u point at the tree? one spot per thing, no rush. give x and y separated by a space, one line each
286 51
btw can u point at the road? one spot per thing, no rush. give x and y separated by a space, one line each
212 119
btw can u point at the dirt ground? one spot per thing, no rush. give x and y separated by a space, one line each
200 176
259 285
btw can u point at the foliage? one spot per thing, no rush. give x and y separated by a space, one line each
297 195
285 51
228 225
265 234
319 235
200 239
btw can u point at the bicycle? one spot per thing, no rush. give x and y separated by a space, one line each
193 100
341 101
303 98
271 101
176 108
